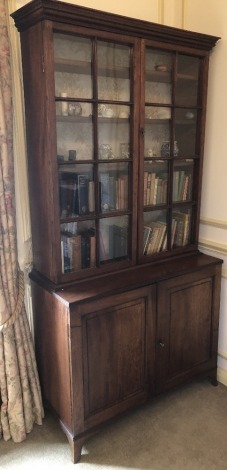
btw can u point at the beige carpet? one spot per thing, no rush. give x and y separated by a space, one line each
181 430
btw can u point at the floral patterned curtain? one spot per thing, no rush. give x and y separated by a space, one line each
20 397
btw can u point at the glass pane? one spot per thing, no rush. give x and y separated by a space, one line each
187 80
113 238
182 180
185 131
157 129
155 182
76 190
74 123
78 246
158 87
113 71
114 132
113 187
154 232
181 226
73 76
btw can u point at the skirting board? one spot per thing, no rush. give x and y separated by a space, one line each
222 376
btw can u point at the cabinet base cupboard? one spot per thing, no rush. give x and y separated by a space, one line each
107 346
125 305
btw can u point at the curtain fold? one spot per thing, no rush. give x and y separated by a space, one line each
20 396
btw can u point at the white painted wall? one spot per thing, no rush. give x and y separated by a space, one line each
210 17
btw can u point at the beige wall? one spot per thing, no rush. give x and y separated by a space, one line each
210 17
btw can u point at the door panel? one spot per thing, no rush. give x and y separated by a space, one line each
187 328
190 319
118 353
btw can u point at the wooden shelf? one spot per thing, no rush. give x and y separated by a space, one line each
89 119
85 68
165 77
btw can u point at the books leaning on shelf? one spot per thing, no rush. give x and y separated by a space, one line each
155 188
78 250
155 237
180 229
182 186
118 241
76 194
113 241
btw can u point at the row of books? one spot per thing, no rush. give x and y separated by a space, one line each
154 237
182 186
76 194
155 233
78 251
114 192
155 188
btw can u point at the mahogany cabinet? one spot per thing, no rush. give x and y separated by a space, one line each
107 346
125 305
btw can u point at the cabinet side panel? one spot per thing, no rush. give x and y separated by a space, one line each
52 352
41 143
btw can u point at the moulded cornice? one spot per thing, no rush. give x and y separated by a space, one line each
56 11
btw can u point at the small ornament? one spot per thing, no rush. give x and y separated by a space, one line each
72 155
165 149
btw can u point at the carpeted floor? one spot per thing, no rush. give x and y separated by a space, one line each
185 429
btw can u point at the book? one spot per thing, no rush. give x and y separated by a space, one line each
185 188
155 237
182 220
176 176
92 250
152 191
66 252
181 185
74 194
81 202
85 251
145 188
104 254
123 192
112 193
118 241
76 252
153 240
155 189
87 246
147 231
105 192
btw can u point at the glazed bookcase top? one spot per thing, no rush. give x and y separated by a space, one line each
38 10
115 123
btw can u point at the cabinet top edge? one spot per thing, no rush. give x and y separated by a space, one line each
57 11
141 276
